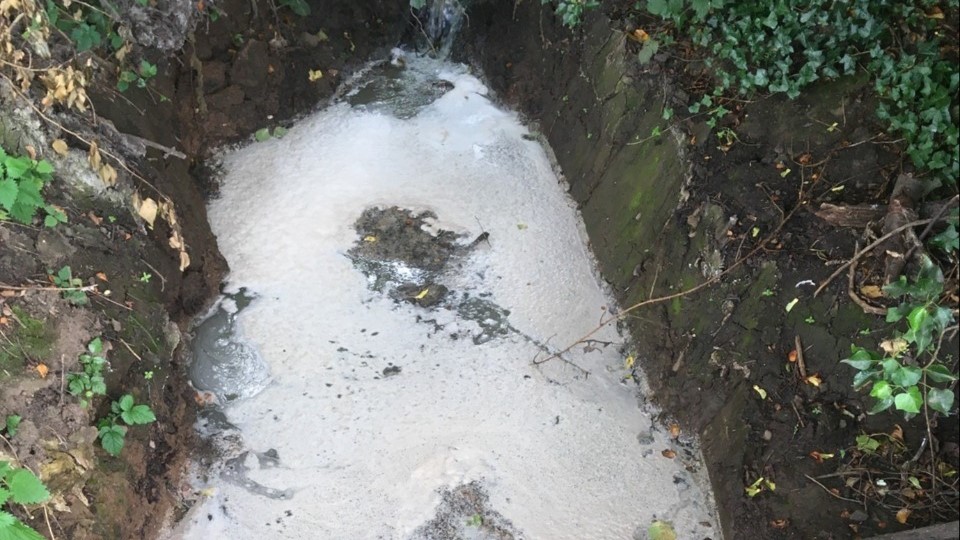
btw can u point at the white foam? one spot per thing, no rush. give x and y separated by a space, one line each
558 455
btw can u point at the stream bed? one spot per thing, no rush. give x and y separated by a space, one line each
400 261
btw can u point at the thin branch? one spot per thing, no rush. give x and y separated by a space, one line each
623 313
832 494
868 249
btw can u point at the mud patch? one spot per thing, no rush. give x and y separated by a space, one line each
464 513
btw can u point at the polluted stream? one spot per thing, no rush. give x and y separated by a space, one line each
399 262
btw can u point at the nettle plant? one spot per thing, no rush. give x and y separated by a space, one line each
21 181
19 486
112 431
89 383
908 373
571 11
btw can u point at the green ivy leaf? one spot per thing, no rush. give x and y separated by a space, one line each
262 134
940 399
26 488
940 373
909 401
881 390
906 376
881 406
86 37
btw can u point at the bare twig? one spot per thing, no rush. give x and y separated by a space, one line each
867 249
623 313
832 494
801 365
867 308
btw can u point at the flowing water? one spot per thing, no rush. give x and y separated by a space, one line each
398 262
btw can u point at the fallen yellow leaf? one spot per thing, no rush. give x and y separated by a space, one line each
871 291
674 430
314 74
370 239
43 370
422 294
628 363
60 146
814 379
760 391
903 515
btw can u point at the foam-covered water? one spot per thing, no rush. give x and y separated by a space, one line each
369 413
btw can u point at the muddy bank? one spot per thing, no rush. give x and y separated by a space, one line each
667 213
234 75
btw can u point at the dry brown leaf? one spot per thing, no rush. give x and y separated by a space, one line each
779 523
674 430
93 156
897 433
31 151
8 294
97 220
903 515
669 454
43 370
102 277
639 35
108 174
792 357
147 209
814 380
4 321
184 260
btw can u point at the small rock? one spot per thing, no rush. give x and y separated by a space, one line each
767 435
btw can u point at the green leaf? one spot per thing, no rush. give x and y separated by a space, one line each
418 4
863 377
906 376
125 402
112 438
13 424
139 414
867 443
881 390
9 189
16 166
940 399
300 7
96 344
4 496
6 520
26 488
20 531
940 373
661 530
881 406
909 401
657 7
262 134
86 37
649 49
147 70
44 167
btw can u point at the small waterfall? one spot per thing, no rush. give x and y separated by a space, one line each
438 22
